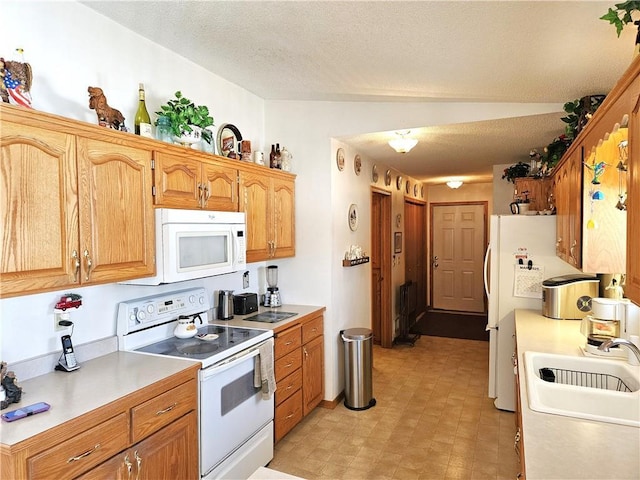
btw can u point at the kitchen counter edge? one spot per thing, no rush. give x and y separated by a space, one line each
303 313
97 383
566 448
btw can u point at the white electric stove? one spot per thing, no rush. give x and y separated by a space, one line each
235 418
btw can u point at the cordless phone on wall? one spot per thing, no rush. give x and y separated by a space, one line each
67 360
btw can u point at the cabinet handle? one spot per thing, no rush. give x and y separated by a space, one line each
85 454
89 263
289 387
200 195
207 194
76 261
288 343
516 443
289 416
129 465
306 354
139 463
168 409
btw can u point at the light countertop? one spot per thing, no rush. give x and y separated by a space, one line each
566 448
302 311
97 383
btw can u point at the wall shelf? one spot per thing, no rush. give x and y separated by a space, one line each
353 263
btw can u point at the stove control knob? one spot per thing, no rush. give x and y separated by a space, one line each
201 300
150 308
192 298
141 316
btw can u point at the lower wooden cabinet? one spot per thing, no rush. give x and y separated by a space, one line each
299 371
165 454
150 434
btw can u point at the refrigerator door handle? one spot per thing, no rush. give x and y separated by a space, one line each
486 270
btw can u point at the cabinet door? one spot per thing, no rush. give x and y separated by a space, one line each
312 373
116 212
170 453
632 288
177 181
220 188
575 208
255 202
284 232
561 194
38 209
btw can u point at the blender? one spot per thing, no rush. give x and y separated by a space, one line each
272 298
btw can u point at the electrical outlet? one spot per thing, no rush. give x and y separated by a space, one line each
60 317
245 280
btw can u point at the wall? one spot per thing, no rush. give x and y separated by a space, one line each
71 47
100 53
502 191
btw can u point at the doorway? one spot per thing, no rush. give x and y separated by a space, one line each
458 240
415 252
381 322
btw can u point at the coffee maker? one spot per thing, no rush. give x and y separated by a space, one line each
609 319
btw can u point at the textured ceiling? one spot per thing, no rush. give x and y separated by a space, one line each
395 51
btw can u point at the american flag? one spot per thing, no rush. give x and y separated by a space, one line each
17 95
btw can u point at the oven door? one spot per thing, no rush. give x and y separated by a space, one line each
232 410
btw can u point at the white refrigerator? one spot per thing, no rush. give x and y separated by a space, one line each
520 255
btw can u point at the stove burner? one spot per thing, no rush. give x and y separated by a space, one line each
197 349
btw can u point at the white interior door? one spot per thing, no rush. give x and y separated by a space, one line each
458 247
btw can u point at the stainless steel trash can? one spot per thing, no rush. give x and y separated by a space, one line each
358 364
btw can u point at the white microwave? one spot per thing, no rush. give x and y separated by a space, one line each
194 244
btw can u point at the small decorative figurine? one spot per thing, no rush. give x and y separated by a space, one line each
13 392
15 82
107 116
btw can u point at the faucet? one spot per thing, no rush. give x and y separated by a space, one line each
604 346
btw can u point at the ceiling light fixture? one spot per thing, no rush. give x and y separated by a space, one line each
454 184
403 144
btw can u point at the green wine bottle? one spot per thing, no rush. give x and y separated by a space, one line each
142 121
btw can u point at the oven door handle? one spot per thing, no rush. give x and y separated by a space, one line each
230 362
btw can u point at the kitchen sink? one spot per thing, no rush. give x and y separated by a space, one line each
599 389
270 317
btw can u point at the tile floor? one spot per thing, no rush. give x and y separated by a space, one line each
433 420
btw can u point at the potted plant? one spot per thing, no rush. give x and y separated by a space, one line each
516 170
553 153
187 121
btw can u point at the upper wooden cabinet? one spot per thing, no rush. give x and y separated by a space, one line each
182 181
632 287
537 191
600 244
77 210
269 205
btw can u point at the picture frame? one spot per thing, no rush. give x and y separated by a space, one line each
397 242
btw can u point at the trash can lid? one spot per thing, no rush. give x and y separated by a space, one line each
358 333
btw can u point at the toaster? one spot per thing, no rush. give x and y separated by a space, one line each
568 297
245 303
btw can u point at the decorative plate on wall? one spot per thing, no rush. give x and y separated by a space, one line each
357 164
422 191
407 187
374 173
415 190
398 182
353 217
340 159
387 178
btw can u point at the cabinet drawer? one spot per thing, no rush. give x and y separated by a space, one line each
288 415
82 452
287 341
152 415
288 364
312 329
288 386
